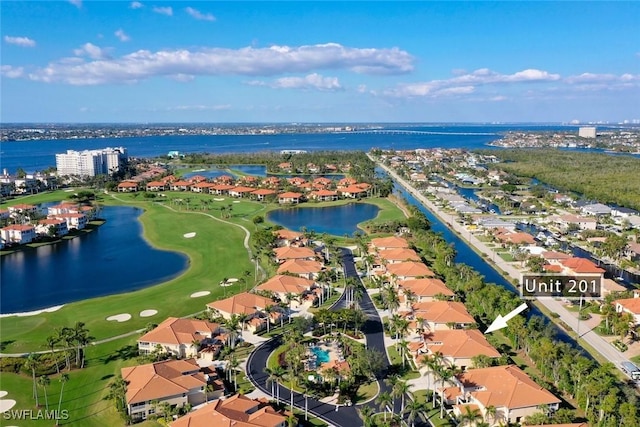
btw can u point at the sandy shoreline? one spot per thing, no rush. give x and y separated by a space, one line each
34 312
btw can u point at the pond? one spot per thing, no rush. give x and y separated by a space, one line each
112 259
336 220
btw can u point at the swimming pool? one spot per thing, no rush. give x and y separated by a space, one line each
321 354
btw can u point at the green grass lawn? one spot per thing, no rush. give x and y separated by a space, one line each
506 256
396 359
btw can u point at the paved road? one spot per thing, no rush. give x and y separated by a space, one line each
594 340
344 416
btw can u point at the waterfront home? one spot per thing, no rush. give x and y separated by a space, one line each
286 237
630 305
290 197
181 337
176 382
297 181
17 234
52 227
555 257
506 388
236 411
127 187
513 237
381 243
583 223
283 285
632 252
353 191
302 268
456 346
224 179
74 220
346 182
196 179
321 182
240 191
271 182
168 179
439 315
425 290
156 186
285 166
61 208
180 186
408 270
580 267
396 255
221 189
202 187
596 209
324 195
263 193
251 305
22 210
293 252
622 212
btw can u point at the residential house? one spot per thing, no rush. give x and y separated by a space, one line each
293 252
17 234
221 189
286 237
251 305
324 195
180 186
74 220
176 382
630 305
52 227
263 193
156 186
457 347
290 197
181 337
240 191
583 223
196 179
513 237
202 187
506 388
396 255
354 191
440 315
22 210
408 270
426 289
236 411
127 187
596 209
622 212
393 242
633 252
303 268
283 285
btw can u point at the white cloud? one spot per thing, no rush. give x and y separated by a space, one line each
163 10
362 89
121 35
20 41
466 83
199 15
602 78
11 72
76 3
498 98
200 107
246 61
92 51
311 81
136 5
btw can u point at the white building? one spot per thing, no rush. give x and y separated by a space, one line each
91 162
587 132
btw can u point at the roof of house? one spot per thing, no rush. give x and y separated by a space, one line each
244 302
263 192
18 227
290 195
353 189
459 343
427 287
555 255
324 193
127 184
409 269
287 234
442 312
236 411
156 184
389 242
283 284
582 265
242 189
51 221
158 380
399 254
180 331
21 206
506 386
630 304
294 252
300 266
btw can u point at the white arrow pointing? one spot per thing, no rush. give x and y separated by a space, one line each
501 322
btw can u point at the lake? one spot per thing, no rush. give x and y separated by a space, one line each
335 220
112 259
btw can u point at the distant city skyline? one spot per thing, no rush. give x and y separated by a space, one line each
319 62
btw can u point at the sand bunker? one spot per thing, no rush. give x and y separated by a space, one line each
236 201
229 282
123 317
218 200
189 235
3 393
5 404
200 294
148 313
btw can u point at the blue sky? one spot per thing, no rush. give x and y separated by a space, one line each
185 61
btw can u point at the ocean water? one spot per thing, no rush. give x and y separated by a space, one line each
38 155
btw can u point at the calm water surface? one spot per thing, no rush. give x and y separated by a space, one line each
336 220
110 260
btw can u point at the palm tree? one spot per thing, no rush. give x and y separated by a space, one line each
436 360
242 318
469 416
290 297
81 338
278 373
43 382
32 363
404 349
52 340
384 400
490 413
63 380
412 410
366 413
196 345
268 310
400 389
233 365
445 375
271 379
